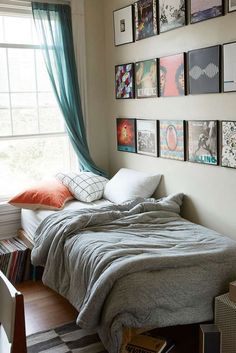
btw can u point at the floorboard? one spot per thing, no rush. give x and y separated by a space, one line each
45 309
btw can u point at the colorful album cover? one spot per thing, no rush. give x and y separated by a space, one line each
172 76
205 9
145 19
172 139
126 135
146 78
124 81
202 142
228 138
172 14
147 137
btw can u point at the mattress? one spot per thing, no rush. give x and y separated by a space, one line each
30 220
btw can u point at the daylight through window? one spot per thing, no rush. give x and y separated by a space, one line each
33 141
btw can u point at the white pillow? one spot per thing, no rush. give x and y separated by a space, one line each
128 184
84 186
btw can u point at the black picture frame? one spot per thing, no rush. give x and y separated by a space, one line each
123 25
147 137
172 14
172 139
229 67
202 142
228 144
199 14
231 8
172 75
146 78
204 70
126 134
124 81
145 19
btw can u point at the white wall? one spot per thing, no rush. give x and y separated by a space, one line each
210 190
95 86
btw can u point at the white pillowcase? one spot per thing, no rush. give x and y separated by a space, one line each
84 186
128 184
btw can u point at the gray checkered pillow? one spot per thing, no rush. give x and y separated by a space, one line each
84 186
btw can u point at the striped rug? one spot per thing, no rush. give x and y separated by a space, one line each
68 338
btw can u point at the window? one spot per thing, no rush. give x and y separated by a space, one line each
33 141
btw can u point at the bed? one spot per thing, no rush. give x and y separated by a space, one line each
137 264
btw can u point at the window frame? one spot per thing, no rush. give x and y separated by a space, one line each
73 160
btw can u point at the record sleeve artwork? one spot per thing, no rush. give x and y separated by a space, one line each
126 139
124 77
172 139
146 78
147 137
204 70
202 142
145 19
205 9
172 76
228 158
171 14
229 50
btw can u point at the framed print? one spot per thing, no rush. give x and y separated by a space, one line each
204 70
172 139
145 19
203 141
126 135
172 14
229 52
201 10
232 5
146 78
123 25
228 144
124 77
172 75
146 131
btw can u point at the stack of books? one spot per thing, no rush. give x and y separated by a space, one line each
15 260
148 344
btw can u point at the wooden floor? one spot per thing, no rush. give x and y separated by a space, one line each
44 309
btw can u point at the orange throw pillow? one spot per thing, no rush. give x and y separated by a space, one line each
50 194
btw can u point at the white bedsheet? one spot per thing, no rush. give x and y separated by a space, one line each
30 220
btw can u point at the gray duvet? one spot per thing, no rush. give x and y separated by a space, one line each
137 265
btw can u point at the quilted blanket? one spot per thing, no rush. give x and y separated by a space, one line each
136 265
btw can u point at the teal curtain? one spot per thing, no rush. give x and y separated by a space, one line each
54 27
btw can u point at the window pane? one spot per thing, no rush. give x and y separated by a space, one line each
24 121
3 71
22 70
5 125
23 34
43 81
49 120
1 30
23 100
4 101
28 160
47 100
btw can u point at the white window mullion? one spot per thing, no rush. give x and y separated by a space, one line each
9 90
37 93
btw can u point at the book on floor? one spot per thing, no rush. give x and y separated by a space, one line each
146 344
